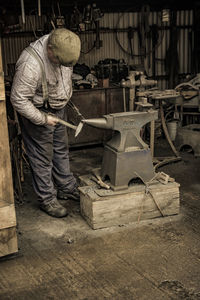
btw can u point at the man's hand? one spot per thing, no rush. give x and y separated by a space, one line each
51 120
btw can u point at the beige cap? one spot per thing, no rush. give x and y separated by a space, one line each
65 45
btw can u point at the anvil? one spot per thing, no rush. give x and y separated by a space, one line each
126 156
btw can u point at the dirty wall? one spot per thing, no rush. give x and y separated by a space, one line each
114 30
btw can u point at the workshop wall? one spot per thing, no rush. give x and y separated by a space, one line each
116 43
114 30
14 42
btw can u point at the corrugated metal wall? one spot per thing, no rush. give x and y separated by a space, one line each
14 43
113 42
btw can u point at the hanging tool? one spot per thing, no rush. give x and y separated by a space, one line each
130 38
39 8
98 43
23 11
172 57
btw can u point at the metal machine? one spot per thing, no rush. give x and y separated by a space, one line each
132 83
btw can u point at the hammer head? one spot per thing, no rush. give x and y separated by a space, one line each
78 129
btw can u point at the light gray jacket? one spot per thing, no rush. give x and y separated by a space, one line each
26 93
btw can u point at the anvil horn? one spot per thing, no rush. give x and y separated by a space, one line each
97 122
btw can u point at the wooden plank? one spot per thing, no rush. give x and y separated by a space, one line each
8 237
126 208
7 216
8 241
3 203
2 84
6 184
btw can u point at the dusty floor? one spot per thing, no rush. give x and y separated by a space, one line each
66 259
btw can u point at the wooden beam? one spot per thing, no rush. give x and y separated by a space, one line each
7 216
2 85
8 238
6 184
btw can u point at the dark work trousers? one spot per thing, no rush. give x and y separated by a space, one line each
47 150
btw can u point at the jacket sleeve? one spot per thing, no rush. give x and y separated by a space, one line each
25 84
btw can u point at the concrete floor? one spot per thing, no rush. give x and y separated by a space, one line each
66 259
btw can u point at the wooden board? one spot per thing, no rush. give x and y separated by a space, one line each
6 185
7 215
128 207
8 241
8 238
2 85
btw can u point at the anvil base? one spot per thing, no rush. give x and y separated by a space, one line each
105 208
122 167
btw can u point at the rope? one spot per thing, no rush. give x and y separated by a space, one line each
146 192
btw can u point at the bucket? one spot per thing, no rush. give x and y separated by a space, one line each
172 129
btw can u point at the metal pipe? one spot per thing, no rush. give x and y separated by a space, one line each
131 98
39 8
152 136
23 11
166 130
124 98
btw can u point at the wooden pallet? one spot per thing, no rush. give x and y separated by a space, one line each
8 239
105 208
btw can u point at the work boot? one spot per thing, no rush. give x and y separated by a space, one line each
54 209
73 195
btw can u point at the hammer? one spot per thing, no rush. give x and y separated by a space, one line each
67 124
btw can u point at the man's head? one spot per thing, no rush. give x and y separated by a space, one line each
63 47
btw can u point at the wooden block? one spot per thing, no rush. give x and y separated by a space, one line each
8 241
7 215
102 208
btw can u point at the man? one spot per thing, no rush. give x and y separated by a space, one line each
41 88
